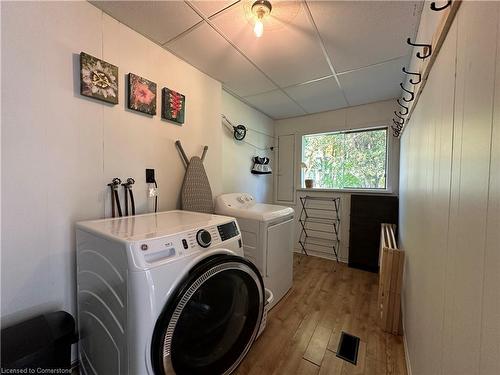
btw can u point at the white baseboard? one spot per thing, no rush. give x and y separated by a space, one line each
405 343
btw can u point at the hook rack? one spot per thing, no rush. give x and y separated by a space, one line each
407 109
424 51
426 47
437 9
415 74
409 92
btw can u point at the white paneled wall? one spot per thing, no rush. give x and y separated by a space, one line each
237 156
449 204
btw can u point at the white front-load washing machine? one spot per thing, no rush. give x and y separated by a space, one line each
267 231
166 293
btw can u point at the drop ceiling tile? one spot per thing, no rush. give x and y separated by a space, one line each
288 51
160 21
209 8
275 104
376 83
205 49
318 96
361 33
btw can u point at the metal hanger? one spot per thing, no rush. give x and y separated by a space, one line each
437 9
409 92
426 47
415 74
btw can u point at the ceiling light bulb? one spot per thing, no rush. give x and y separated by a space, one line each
260 9
258 28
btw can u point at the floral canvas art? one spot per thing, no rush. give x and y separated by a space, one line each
98 79
173 106
141 94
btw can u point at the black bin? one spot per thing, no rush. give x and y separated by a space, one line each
43 342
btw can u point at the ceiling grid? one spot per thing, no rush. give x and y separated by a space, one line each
239 50
314 56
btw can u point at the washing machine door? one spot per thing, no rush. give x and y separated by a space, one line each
212 320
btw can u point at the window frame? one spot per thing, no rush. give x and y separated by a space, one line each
388 151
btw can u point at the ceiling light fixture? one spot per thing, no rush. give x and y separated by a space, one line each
261 9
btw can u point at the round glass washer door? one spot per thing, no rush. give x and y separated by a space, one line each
212 320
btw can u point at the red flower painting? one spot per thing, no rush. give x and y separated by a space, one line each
142 94
173 106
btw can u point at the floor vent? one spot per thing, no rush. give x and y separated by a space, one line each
348 348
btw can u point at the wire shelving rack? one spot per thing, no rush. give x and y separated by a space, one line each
327 234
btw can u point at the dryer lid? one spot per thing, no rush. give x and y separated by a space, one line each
243 205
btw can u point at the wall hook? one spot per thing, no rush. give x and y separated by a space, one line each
396 129
409 92
407 109
398 124
437 9
398 116
395 132
426 47
415 74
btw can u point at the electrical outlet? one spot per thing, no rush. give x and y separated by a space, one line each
150 176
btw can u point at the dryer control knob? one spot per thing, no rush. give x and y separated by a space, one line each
203 238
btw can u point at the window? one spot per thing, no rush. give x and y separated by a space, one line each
346 160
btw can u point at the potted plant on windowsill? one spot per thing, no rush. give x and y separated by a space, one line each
309 182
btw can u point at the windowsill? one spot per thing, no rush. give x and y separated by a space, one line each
363 191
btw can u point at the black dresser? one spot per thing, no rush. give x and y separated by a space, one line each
367 213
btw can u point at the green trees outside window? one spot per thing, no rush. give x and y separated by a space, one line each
346 160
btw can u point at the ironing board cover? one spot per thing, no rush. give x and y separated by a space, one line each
196 194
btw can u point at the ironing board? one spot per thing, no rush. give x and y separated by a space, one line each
196 194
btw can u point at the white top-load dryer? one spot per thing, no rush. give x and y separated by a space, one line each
267 231
166 293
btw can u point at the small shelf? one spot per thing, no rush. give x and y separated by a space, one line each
331 208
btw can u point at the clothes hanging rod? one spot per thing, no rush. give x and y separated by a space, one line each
320 230
329 199
322 209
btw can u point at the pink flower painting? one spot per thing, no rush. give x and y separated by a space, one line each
141 94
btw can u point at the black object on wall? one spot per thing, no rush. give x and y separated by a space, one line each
43 342
367 213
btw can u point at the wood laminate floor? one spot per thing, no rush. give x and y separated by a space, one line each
303 329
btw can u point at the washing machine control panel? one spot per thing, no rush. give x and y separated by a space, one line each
204 238
228 231
183 244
